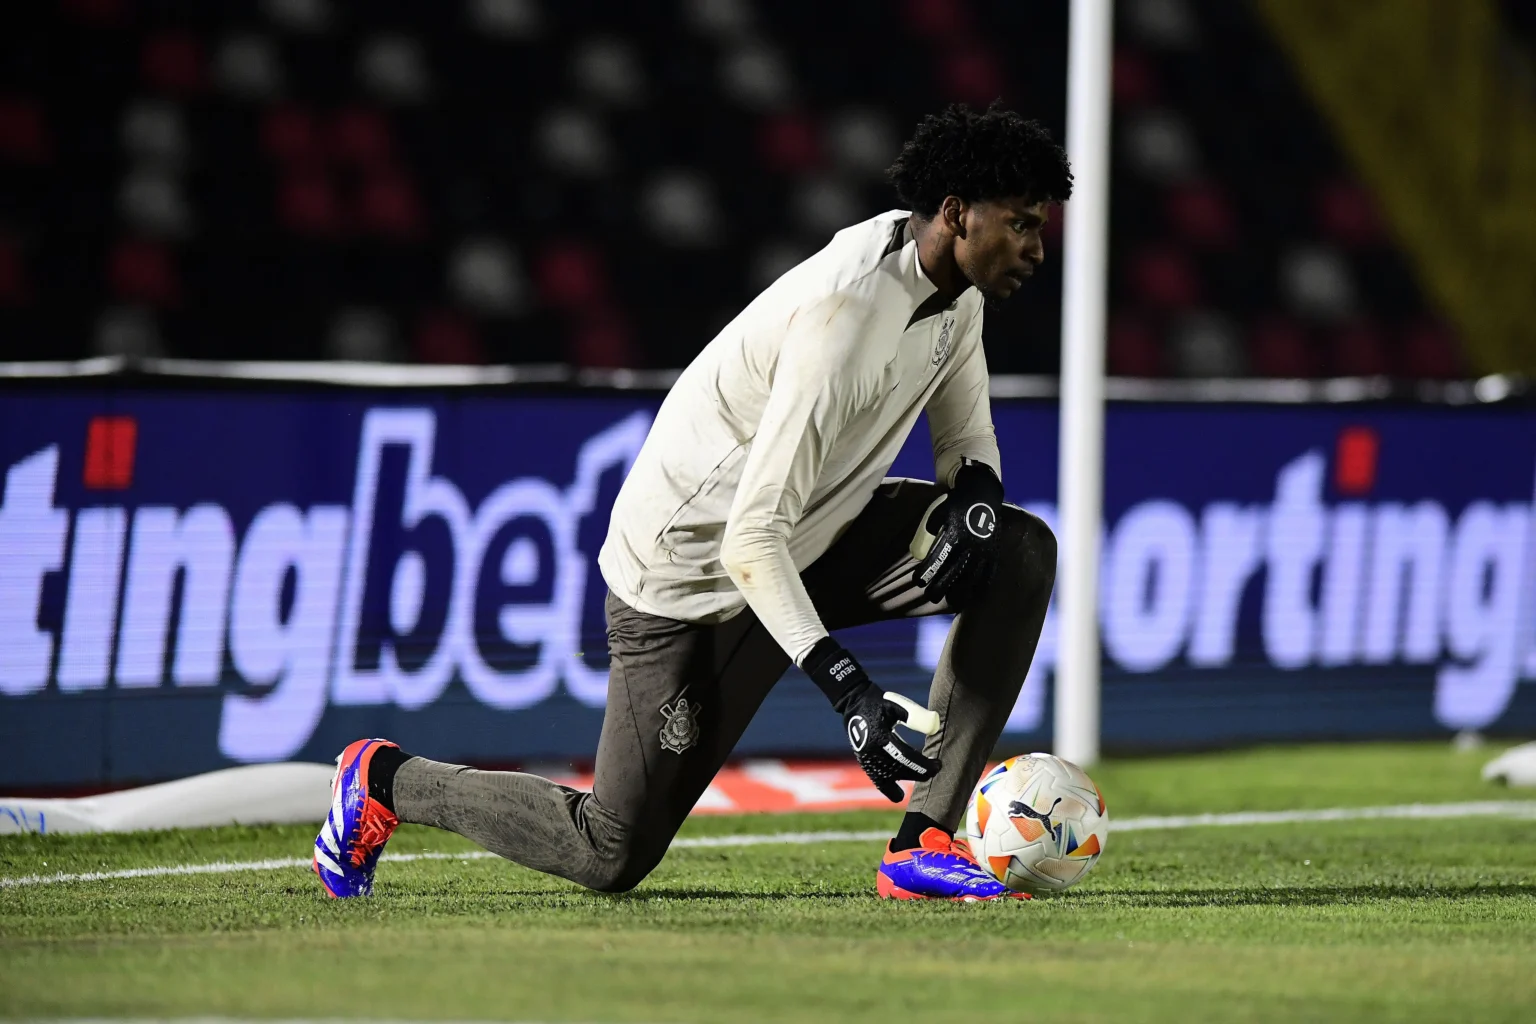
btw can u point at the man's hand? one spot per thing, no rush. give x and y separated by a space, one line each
870 718
956 545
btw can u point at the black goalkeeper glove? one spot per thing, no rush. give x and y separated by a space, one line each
870 718
957 543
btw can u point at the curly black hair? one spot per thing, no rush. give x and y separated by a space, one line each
979 156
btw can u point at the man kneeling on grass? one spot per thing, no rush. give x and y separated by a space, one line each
757 517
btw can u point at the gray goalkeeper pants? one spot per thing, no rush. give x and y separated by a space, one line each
681 694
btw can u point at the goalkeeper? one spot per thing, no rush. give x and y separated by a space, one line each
757 518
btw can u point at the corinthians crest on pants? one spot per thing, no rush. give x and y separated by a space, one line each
681 730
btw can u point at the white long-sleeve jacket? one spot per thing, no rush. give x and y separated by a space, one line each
775 437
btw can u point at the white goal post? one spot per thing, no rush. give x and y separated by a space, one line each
1080 489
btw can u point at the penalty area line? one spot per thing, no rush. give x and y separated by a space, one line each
1410 812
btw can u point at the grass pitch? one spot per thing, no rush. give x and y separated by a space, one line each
1353 920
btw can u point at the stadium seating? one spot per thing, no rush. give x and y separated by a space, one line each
604 184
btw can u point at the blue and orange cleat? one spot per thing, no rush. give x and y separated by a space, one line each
348 846
941 868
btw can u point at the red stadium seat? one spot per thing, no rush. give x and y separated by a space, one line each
142 271
1134 349
942 20
1201 214
387 206
360 137
448 338
1279 348
290 135
1135 83
1430 351
570 277
173 62
23 133
307 205
1164 279
603 340
1359 350
789 143
971 75
1347 214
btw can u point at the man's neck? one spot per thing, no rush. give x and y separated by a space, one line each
934 253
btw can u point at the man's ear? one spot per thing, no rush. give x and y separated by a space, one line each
952 210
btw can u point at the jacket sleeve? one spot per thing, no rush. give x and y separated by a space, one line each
818 386
960 410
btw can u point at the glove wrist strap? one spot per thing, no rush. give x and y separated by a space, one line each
834 671
979 477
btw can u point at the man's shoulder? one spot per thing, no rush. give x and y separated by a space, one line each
868 242
841 288
856 252
880 227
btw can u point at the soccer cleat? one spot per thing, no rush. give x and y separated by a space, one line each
357 827
941 868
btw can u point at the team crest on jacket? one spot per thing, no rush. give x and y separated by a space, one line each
941 347
681 730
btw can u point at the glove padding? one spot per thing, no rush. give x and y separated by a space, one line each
870 718
962 556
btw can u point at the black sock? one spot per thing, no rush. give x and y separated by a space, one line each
381 774
913 825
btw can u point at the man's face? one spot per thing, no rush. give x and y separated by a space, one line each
1002 244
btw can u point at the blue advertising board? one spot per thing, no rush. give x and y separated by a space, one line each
191 579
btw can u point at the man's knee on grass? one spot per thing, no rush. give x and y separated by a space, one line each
622 866
619 853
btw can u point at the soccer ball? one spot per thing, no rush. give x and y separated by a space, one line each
1037 822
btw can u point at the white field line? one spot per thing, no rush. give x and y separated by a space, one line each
1475 809
1435 812
243 1020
